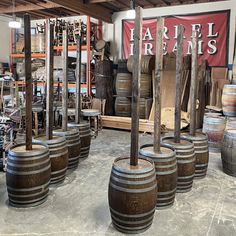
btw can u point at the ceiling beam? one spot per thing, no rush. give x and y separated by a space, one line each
98 1
92 10
28 7
166 2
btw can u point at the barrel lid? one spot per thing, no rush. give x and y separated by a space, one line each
55 139
198 136
60 132
20 149
123 165
215 120
80 125
166 151
90 112
184 143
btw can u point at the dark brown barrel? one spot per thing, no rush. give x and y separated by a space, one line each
104 84
28 175
58 153
147 64
122 66
124 84
201 152
73 143
132 195
85 137
214 128
123 106
166 173
186 160
228 152
229 100
145 86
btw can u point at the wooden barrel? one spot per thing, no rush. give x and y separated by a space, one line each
85 137
228 152
58 153
124 84
186 160
229 100
231 123
73 143
123 106
201 152
214 128
147 64
166 173
145 86
132 195
28 175
122 66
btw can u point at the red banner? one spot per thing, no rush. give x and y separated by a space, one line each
212 42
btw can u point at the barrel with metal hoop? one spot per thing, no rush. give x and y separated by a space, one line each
228 152
229 100
73 143
58 153
186 160
124 84
166 172
28 175
132 195
201 152
85 137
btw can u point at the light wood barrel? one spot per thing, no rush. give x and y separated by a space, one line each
123 106
145 86
73 143
228 152
28 175
147 64
58 153
166 173
124 84
214 128
85 137
186 160
201 152
229 100
132 195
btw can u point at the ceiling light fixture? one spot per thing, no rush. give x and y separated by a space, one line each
14 23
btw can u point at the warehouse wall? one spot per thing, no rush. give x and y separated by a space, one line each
176 10
4 39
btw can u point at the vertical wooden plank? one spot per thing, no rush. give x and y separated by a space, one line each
28 82
193 88
65 80
78 80
179 66
88 67
157 85
136 87
49 78
17 95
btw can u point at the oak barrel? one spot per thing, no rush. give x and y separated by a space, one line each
132 195
123 106
85 137
124 84
73 143
186 160
147 64
228 152
145 86
166 173
122 66
214 128
229 100
58 153
201 152
28 175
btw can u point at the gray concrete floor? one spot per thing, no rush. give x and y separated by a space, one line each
80 205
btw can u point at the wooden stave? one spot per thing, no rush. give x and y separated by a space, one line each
166 193
229 100
34 191
123 220
124 84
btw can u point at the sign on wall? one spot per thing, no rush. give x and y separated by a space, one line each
212 43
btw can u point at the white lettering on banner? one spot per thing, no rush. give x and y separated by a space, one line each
164 48
131 49
197 27
148 49
212 46
210 31
148 35
131 34
165 33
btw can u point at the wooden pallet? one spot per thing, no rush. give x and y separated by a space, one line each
118 122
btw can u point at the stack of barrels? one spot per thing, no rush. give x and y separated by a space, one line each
228 151
124 86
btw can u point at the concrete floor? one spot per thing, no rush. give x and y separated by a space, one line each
80 205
